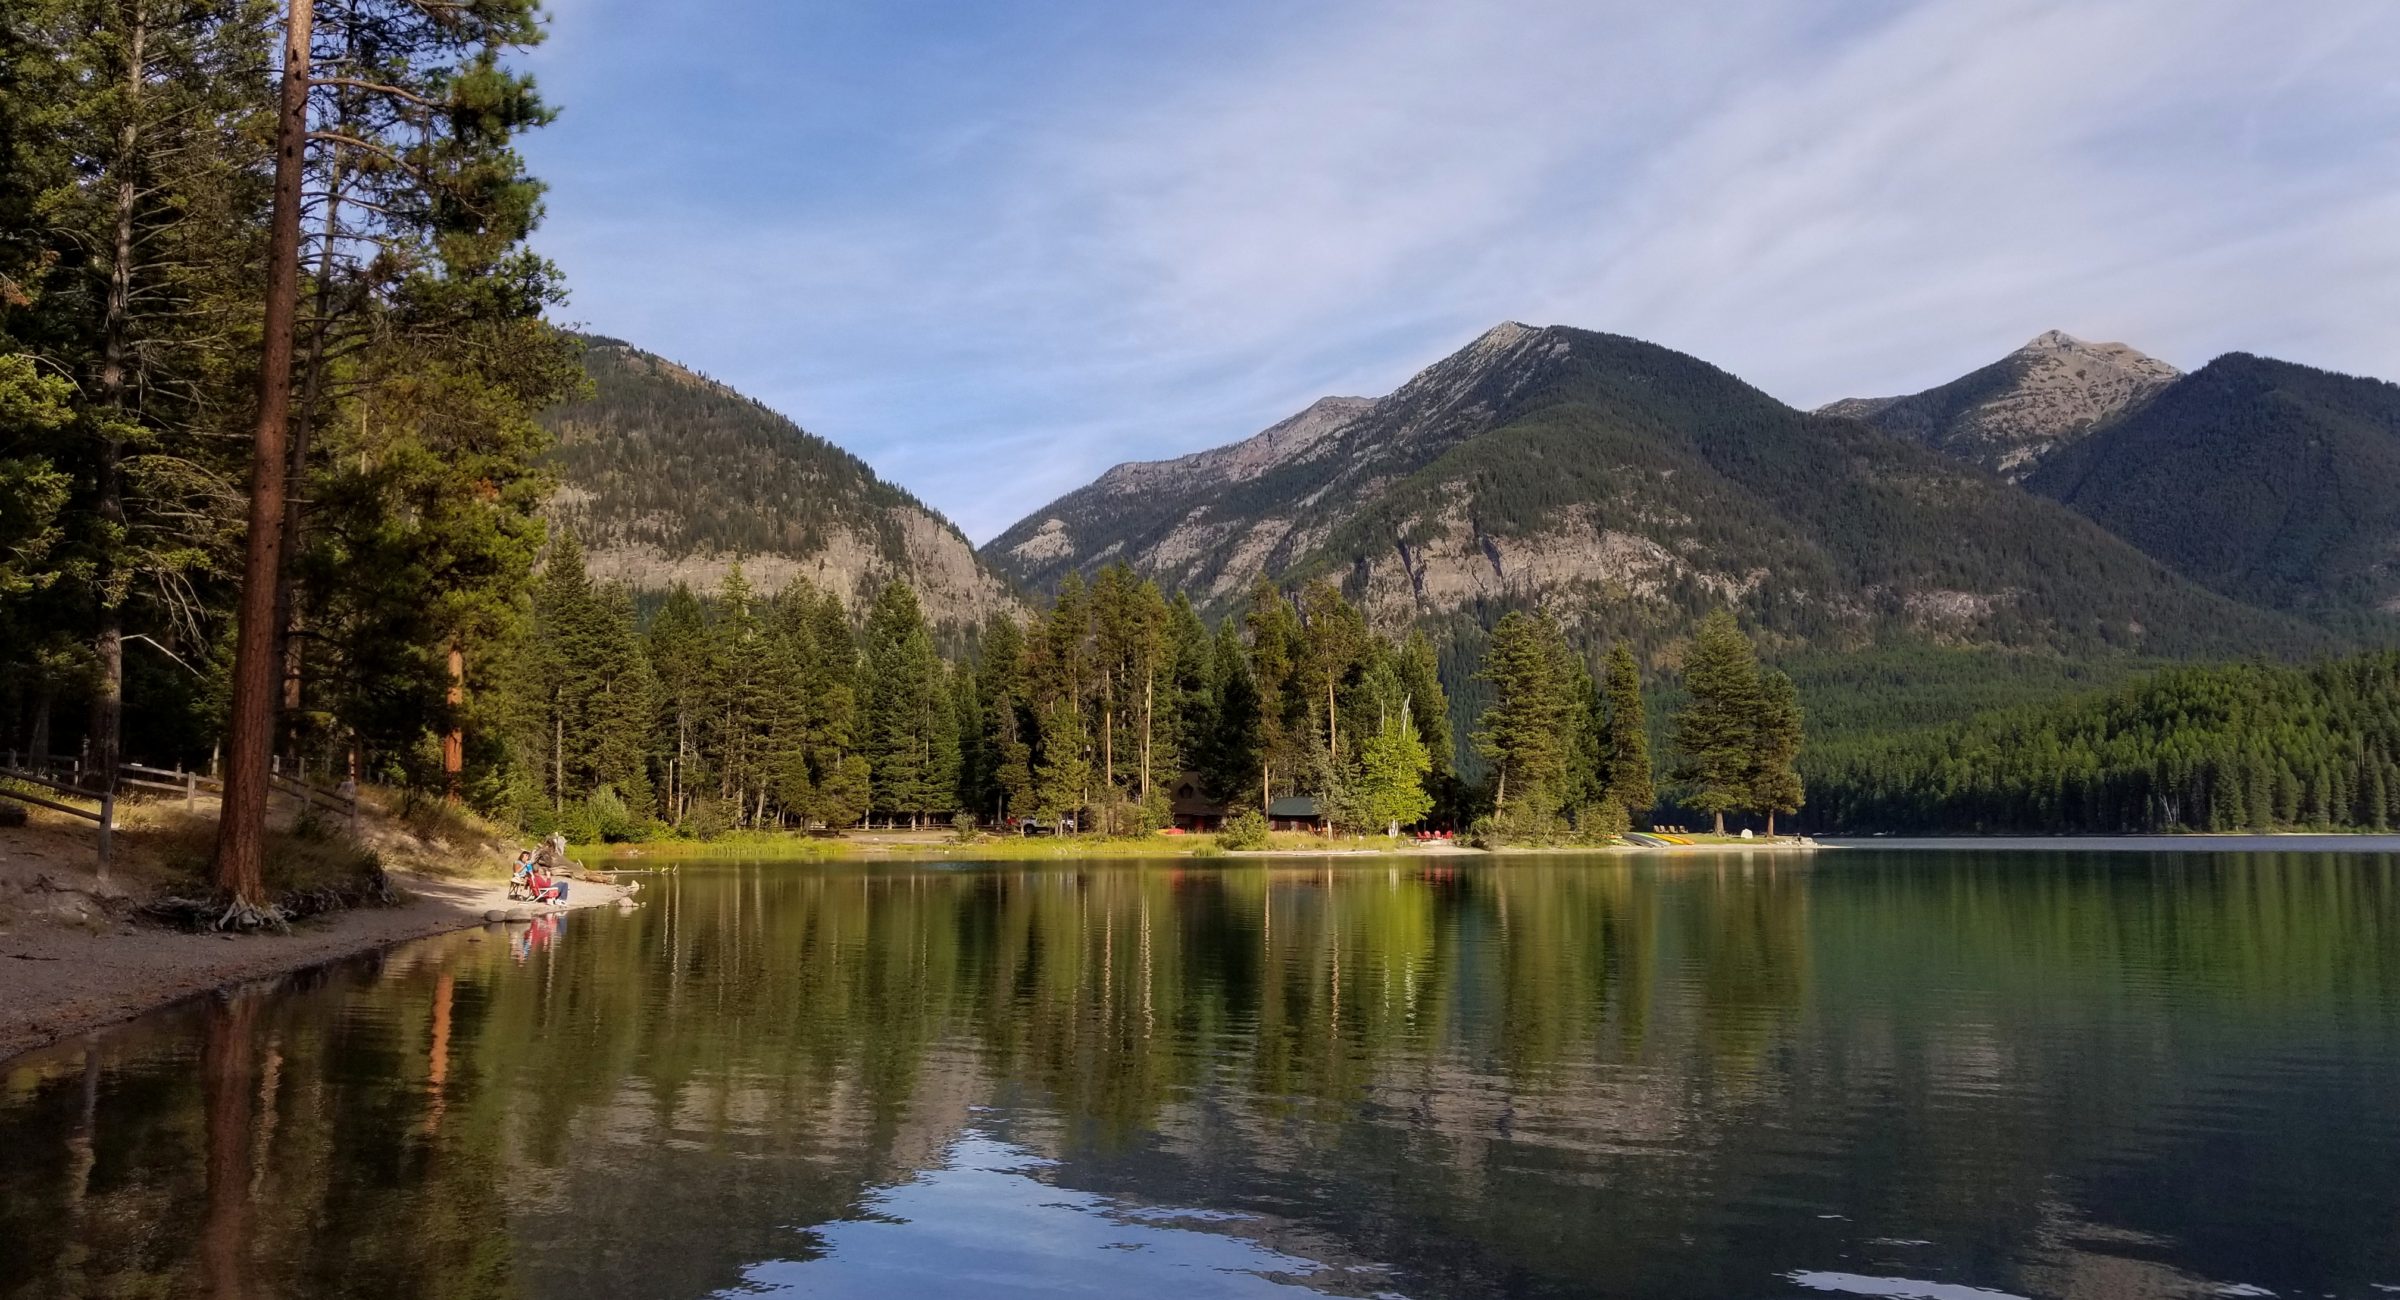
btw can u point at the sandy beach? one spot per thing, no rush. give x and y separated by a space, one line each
71 962
57 980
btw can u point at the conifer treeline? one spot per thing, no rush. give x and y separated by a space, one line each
138 141
743 710
2235 747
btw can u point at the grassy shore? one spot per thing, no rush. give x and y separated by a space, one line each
867 846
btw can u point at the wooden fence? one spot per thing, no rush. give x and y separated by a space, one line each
106 815
43 770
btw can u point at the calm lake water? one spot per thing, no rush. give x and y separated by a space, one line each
1958 1075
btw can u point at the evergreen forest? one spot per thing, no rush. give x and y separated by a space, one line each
2232 747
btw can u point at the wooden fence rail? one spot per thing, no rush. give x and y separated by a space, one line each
36 769
106 816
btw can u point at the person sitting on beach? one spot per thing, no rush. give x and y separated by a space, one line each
547 888
520 880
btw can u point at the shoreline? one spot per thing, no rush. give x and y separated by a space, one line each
2195 842
60 980
900 846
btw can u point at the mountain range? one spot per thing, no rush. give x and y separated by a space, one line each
2077 501
1631 488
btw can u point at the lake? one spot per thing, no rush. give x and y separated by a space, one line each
1937 1073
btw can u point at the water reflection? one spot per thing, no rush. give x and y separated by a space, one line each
982 1224
2036 1075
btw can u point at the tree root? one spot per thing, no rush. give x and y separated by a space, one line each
221 913
242 914
227 913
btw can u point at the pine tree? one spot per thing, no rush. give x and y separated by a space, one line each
468 359
1629 782
1587 716
1006 729
1421 681
742 701
839 774
157 220
1716 732
1228 753
910 739
1063 772
1527 734
1187 695
1281 747
592 691
677 646
1775 777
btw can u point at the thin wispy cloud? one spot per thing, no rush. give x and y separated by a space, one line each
996 248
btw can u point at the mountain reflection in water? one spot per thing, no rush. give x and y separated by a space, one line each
1942 1072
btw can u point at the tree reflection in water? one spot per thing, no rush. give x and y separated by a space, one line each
1543 1077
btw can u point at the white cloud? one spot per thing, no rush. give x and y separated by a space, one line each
1150 252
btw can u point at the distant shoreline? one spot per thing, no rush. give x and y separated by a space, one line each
2231 842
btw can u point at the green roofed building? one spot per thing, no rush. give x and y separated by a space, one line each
1299 812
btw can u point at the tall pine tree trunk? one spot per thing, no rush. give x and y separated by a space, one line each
1149 711
454 740
312 386
37 731
239 867
108 640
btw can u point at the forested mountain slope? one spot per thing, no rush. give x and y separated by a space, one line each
669 477
1632 488
2228 747
2273 483
2010 415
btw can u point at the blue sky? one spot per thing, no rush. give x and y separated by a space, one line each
996 247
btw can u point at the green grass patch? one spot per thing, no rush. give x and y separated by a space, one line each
793 846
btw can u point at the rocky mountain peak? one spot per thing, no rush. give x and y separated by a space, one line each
2011 415
2115 356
